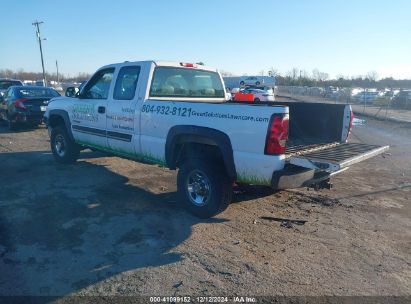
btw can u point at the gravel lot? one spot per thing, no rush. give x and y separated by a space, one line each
110 226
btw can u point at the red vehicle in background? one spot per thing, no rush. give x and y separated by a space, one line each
244 97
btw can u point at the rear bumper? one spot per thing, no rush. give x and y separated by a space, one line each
21 117
295 177
268 98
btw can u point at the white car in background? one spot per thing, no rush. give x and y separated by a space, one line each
260 95
251 81
228 95
235 91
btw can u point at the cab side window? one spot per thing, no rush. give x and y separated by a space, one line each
126 83
99 85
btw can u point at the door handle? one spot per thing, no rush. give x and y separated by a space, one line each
101 110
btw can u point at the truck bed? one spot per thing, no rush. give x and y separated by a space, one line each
300 147
314 126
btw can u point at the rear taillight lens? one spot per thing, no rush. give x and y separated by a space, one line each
350 127
277 135
19 103
351 119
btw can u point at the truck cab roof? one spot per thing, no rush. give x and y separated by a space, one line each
163 63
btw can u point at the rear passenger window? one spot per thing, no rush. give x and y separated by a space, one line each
126 83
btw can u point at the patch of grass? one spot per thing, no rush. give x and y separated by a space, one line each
141 157
381 102
246 178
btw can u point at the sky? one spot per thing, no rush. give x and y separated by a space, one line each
348 38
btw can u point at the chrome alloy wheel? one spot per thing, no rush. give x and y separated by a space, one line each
198 188
60 145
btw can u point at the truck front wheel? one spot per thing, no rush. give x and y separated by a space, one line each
64 149
203 187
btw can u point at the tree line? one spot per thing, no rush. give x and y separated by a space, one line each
297 77
23 75
294 77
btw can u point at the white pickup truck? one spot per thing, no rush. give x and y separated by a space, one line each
177 115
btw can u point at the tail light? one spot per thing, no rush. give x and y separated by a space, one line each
350 127
19 103
277 135
351 119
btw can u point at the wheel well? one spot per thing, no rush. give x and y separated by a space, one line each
188 150
55 120
193 141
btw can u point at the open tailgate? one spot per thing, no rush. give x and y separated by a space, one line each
337 157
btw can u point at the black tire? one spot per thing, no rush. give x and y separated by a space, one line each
219 191
256 100
242 83
64 149
257 83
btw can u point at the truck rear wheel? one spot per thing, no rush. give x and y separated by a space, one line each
203 187
64 149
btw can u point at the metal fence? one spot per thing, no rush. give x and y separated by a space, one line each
365 101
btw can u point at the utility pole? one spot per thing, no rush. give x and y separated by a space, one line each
57 67
37 25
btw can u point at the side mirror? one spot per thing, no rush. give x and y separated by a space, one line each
71 92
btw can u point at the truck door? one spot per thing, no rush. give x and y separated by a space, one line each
88 113
122 121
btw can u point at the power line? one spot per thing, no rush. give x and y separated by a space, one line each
37 25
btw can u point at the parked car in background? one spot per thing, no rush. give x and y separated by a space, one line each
333 92
402 99
367 97
268 90
235 91
260 95
228 94
241 96
40 83
25 104
330 91
250 81
5 83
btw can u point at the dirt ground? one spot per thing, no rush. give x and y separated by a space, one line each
110 226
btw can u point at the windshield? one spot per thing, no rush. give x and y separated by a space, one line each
37 92
181 82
